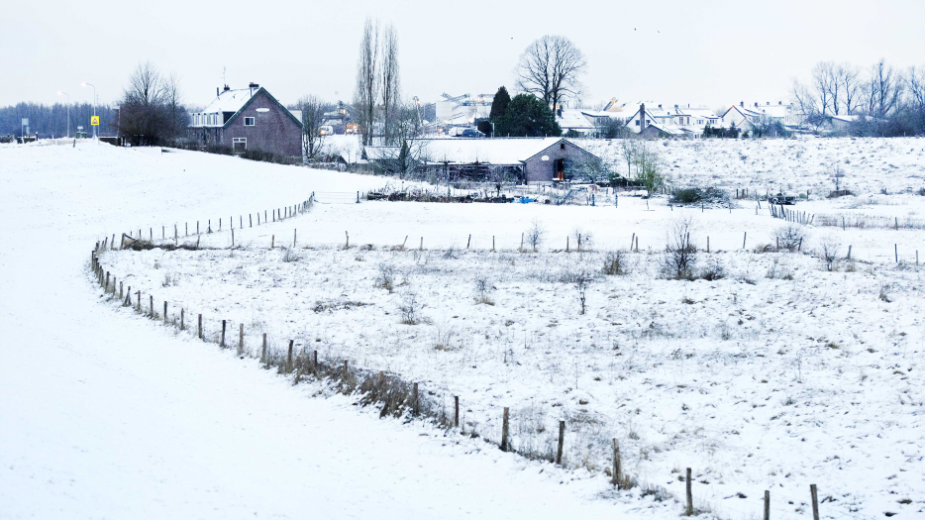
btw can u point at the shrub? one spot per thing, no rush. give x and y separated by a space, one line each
483 288
681 256
410 309
615 263
386 278
534 235
789 238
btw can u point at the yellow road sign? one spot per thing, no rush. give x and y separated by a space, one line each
94 120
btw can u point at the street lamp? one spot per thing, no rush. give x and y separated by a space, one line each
68 134
88 84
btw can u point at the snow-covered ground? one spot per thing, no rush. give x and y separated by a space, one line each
794 166
778 375
103 415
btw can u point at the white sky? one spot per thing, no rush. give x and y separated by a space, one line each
711 52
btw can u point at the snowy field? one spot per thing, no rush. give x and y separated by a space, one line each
778 374
106 416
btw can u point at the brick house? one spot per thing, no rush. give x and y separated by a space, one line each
247 119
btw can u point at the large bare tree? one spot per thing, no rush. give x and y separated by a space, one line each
151 111
367 88
313 110
550 68
882 91
390 84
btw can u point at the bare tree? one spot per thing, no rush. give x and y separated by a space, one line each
313 110
882 91
151 111
550 68
849 82
915 90
390 83
367 87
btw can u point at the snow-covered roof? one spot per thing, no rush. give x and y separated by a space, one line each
572 118
467 151
494 151
230 100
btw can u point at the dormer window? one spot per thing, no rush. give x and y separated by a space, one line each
249 121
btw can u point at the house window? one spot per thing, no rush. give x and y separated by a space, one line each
249 121
239 144
562 146
637 122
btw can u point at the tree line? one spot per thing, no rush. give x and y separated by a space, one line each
48 121
883 100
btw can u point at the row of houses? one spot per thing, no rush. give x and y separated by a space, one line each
252 119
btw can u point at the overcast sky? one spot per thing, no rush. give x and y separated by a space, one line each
709 52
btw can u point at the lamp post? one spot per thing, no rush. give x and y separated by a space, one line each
68 106
88 84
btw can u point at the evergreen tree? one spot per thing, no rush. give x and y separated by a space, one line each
498 109
528 116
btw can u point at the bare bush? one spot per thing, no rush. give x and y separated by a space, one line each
290 255
681 256
582 281
534 235
410 309
483 289
789 238
615 263
829 253
386 278
713 271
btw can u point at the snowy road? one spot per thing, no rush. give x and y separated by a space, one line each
104 415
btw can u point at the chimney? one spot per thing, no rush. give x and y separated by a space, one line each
742 104
253 86
756 103
227 88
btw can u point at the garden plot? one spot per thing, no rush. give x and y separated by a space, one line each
775 374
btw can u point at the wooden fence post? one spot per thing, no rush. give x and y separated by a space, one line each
240 339
346 240
182 324
224 324
849 253
186 229
456 411
199 328
767 505
744 236
689 508
138 300
504 430
561 441
492 243
566 243
415 403
151 305
120 291
815 497
250 220
263 349
165 312
289 358
469 241
272 241
294 237
617 465
315 360
232 238
896 252
421 247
